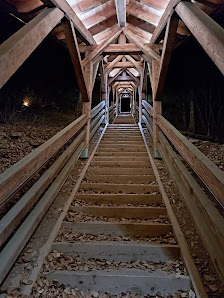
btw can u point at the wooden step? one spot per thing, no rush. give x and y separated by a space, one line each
120 251
124 179
119 229
119 171
124 142
125 148
119 212
120 158
116 188
118 153
119 199
120 281
121 164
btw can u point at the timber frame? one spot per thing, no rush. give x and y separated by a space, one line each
124 58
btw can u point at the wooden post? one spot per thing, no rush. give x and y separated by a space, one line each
157 108
106 99
117 103
86 109
140 104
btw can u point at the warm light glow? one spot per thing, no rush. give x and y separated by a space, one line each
26 102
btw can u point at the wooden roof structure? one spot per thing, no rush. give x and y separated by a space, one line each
120 39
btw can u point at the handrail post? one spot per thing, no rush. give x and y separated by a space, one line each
86 109
140 105
157 110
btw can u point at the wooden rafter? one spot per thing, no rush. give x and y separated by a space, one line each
170 35
121 12
97 51
159 30
72 45
122 49
113 63
143 12
71 15
145 48
15 50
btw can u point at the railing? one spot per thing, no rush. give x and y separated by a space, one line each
136 115
61 152
147 115
208 221
112 113
97 116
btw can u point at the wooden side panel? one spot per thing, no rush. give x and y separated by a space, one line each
202 165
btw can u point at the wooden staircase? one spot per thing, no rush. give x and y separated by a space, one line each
116 231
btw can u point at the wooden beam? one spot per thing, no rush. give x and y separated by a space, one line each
15 50
168 43
145 48
122 49
121 12
71 15
124 78
72 44
157 34
135 63
110 81
111 64
126 64
102 46
208 33
133 77
102 81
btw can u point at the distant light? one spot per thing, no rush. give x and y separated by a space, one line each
26 103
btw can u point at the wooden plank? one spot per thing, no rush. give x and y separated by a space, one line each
118 199
147 106
119 212
208 33
15 215
145 48
96 119
212 176
120 251
171 29
207 219
73 48
14 247
122 49
97 51
19 172
97 109
119 229
127 65
116 188
78 24
17 48
103 25
158 33
121 12
94 130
